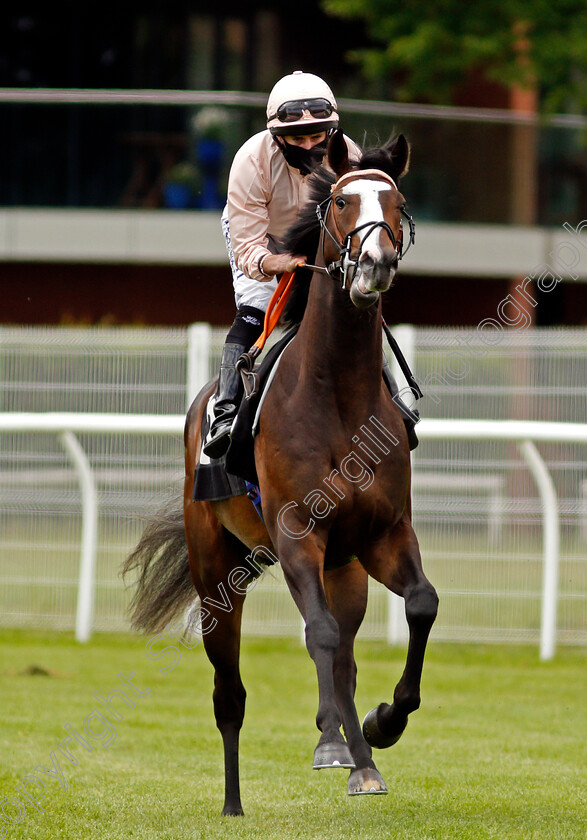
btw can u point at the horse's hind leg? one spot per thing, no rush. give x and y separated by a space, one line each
222 647
397 564
346 591
212 558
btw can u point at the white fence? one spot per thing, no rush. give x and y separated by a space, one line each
524 433
491 517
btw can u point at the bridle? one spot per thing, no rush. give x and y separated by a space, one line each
344 262
245 364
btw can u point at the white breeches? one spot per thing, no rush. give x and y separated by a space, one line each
247 292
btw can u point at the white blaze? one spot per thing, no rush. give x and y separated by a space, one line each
371 211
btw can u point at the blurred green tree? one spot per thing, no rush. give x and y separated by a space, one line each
429 48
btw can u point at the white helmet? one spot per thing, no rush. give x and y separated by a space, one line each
301 103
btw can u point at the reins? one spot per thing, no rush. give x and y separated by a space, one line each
401 360
276 306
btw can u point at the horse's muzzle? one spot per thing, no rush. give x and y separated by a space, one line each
372 278
361 297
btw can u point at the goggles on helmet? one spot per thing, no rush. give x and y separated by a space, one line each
293 110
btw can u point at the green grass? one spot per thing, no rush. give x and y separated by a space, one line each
496 751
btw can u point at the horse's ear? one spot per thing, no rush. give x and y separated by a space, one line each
399 152
338 153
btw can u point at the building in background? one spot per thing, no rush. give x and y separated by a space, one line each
89 232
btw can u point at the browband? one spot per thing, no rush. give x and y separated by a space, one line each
354 174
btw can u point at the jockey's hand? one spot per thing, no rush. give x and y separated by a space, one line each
278 263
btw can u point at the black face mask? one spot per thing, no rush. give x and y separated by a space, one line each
306 160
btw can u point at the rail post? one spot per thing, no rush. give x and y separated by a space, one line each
550 549
87 572
198 364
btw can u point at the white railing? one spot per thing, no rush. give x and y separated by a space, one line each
97 96
525 433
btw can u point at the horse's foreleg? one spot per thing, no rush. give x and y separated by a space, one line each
398 566
302 566
346 591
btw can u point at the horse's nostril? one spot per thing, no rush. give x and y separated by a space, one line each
390 259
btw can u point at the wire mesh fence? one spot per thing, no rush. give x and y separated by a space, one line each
477 510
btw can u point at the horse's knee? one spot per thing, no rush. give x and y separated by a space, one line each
421 604
322 633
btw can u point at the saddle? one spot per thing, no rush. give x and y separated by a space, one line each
235 474
240 458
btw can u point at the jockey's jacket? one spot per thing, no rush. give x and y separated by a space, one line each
265 195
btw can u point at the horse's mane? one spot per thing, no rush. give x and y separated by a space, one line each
303 237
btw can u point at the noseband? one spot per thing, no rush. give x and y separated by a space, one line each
344 246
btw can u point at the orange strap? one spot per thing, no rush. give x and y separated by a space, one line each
274 310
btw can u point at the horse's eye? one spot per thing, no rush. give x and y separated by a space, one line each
340 203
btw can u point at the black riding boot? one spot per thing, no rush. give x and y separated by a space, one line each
410 416
226 405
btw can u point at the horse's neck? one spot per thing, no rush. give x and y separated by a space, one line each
341 346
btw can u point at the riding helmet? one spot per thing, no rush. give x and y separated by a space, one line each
301 103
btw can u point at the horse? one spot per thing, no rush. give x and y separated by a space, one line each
333 465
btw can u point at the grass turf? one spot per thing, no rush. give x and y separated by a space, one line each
496 751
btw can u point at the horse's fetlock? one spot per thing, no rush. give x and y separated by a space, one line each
406 701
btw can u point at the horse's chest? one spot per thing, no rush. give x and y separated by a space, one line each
363 516
373 507
357 493
352 535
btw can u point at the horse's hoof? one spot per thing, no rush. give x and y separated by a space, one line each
373 734
367 780
332 755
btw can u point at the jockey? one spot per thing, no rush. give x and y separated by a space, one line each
267 187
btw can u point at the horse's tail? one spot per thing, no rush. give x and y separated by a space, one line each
164 587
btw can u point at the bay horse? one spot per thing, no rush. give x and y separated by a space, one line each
333 465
